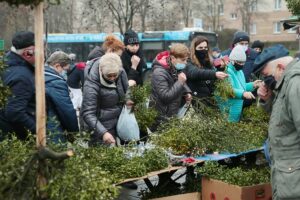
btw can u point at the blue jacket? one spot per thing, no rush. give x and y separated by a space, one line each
18 115
234 106
61 115
248 67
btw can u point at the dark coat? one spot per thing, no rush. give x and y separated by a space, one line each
94 56
248 67
200 80
75 78
18 115
167 92
132 74
96 53
102 104
61 115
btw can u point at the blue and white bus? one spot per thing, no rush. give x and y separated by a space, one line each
151 42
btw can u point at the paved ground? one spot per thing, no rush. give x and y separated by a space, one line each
127 194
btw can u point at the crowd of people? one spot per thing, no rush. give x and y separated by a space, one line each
97 90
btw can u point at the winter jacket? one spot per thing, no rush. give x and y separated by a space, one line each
102 103
284 135
200 80
61 115
18 115
167 92
94 56
76 76
234 106
248 67
132 74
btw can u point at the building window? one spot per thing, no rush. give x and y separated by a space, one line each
253 6
253 29
233 16
277 4
210 10
220 27
277 27
221 9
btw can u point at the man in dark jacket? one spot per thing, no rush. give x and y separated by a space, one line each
18 115
61 115
132 58
242 38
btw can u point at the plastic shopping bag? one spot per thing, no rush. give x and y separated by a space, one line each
182 111
127 126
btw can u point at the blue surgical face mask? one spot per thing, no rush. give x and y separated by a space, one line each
180 66
64 74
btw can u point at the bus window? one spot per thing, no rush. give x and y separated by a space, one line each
151 49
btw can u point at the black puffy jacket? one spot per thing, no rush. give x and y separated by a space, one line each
102 104
167 92
18 115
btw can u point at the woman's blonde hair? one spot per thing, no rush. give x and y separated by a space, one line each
110 63
179 50
113 43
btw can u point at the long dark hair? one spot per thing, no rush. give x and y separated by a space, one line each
208 60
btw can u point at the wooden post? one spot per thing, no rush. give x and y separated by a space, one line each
40 95
39 76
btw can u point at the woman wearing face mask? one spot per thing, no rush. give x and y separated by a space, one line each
200 72
242 90
61 115
169 82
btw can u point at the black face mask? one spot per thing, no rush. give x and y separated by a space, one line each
201 54
107 81
238 67
270 82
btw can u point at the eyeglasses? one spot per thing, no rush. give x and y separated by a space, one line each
112 75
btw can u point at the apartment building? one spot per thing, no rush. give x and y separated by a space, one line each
263 18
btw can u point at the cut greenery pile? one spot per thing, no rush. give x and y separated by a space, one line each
206 133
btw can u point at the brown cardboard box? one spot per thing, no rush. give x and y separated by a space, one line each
188 196
218 190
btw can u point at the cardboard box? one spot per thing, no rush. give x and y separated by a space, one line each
187 196
218 190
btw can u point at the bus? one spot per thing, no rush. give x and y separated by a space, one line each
151 43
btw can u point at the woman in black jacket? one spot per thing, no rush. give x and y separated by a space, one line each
200 72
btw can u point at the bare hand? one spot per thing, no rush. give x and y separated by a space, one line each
188 98
131 83
263 92
108 138
135 60
129 104
221 75
248 95
257 83
182 77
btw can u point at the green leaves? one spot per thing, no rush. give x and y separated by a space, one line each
240 176
4 90
293 6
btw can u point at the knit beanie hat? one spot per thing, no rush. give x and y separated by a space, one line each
110 63
240 36
131 37
23 39
238 54
257 44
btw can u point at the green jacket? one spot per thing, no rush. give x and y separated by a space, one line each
284 135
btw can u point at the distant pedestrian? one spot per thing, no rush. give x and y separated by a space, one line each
258 46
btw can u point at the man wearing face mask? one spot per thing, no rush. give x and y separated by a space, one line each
242 38
242 90
61 115
280 96
168 82
18 115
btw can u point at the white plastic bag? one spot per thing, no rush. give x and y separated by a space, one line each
127 127
182 111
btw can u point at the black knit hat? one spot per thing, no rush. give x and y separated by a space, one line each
23 39
257 44
131 37
240 36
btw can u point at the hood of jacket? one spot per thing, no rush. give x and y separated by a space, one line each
14 59
162 59
52 75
